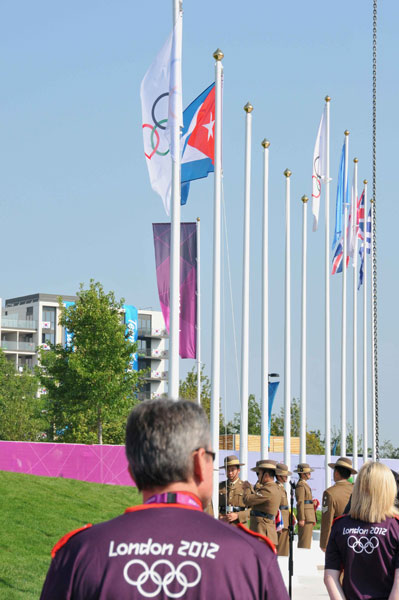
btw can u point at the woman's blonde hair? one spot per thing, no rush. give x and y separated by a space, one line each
374 494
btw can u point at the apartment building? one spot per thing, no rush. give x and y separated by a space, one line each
27 322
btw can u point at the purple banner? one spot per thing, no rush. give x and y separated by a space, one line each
188 281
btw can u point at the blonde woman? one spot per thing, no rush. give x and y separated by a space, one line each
365 543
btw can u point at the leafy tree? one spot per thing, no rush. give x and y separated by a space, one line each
20 414
254 417
314 444
91 386
188 391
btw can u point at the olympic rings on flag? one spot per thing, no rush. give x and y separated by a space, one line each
162 583
363 544
318 186
157 125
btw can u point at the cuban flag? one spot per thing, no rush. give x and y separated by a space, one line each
368 248
198 140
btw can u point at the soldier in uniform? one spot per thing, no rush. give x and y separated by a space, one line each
306 514
282 474
264 501
336 497
231 494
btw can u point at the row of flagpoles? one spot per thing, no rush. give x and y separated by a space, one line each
171 142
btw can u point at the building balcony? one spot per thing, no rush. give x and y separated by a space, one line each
152 353
157 375
152 333
10 323
11 346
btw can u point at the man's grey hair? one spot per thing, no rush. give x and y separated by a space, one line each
161 436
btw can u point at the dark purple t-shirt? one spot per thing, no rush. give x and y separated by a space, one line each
162 552
368 553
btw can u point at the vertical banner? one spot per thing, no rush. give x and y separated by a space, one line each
131 320
188 281
272 390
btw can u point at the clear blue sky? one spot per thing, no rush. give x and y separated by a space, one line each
75 200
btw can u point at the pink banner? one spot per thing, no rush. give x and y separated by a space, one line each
97 464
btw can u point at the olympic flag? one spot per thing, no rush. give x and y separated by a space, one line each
319 168
161 104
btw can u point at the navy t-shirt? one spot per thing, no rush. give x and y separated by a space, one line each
164 551
368 553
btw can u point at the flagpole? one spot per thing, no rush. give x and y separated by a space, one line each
215 388
264 450
373 403
175 236
354 261
287 326
327 305
302 457
198 349
245 296
343 342
365 424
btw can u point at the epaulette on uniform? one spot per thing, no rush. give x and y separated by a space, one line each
67 537
261 537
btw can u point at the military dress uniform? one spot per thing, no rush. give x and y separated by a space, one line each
231 494
335 499
305 508
264 503
283 535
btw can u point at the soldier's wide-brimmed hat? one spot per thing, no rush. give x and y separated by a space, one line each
231 461
266 463
343 462
303 468
282 469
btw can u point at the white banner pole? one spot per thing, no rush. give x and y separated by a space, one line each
264 423
354 262
287 326
343 341
245 296
327 470
365 370
198 348
302 452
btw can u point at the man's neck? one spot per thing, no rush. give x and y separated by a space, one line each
182 486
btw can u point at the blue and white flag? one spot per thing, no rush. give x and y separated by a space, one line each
367 245
198 140
342 187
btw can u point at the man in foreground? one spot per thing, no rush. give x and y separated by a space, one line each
336 497
166 547
231 502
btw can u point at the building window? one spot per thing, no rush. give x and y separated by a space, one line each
48 315
48 338
29 313
144 324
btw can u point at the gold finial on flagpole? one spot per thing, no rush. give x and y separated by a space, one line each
248 107
218 54
287 173
198 219
304 199
346 132
265 143
355 160
365 181
327 98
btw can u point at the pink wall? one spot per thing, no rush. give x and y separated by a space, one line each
98 464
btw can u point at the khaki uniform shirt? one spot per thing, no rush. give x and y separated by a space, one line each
265 499
305 510
232 494
335 498
285 512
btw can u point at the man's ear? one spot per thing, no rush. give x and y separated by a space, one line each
199 465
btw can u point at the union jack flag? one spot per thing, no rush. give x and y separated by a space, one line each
368 248
337 260
360 217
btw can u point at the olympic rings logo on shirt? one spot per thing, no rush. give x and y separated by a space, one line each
363 544
162 583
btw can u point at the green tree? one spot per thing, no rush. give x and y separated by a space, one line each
254 417
20 409
314 443
188 391
90 384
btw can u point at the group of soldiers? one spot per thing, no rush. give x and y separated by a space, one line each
265 504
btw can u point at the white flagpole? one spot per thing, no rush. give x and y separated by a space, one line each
302 456
287 326
198 349
175 239
354 260
365 425
215 389
264 422
245 296
344 255
327 471
374 426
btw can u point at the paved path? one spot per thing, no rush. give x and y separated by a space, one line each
307 581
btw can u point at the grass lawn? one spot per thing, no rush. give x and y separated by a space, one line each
35 512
